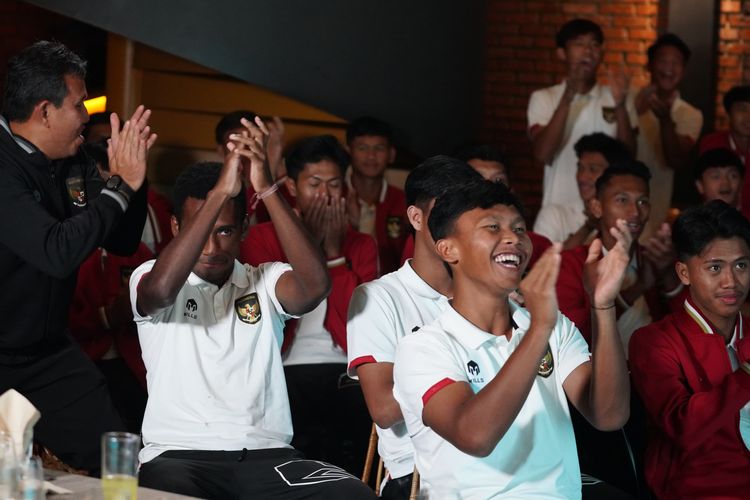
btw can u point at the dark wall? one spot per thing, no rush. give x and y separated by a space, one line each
416 64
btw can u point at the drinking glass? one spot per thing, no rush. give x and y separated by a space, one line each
120 465
32 480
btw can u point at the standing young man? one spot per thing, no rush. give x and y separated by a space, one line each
329 416
217 421
692 368
56 210
374 206
484 388
383 311
667 125
559 115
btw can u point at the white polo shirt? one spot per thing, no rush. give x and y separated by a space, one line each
381 312
558 222
537 457
589 113
214 373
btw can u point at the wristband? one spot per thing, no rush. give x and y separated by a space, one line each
265 194
603 308
338 261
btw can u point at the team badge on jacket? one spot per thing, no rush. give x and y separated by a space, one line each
248 308
608 113
76 191
393 226
547 364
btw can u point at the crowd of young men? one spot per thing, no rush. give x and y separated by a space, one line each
273 324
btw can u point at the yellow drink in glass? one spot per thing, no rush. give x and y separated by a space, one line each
119 487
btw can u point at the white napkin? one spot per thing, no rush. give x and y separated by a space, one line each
17 416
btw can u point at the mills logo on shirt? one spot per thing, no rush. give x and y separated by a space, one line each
472 368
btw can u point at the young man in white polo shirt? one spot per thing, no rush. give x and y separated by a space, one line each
383 311
217 422
560 115
483 389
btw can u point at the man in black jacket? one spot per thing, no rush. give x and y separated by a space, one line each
56 209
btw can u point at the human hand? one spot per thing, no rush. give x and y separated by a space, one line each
315 218
619 83
662 108
642 98
576 81
602 278
127 148
659 250
336 227
276 148
538 289
253 145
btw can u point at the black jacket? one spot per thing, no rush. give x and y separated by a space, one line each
52 216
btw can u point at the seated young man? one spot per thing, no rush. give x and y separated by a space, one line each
569 224
217 422
484 388
492 166
329 416
622 193
737 138
692 368
718 176
383 311
374 206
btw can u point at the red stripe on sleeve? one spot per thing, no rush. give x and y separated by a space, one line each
435 389
361 361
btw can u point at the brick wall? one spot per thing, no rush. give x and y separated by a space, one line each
520 58
733 52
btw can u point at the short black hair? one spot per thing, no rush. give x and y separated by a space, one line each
196 180
463 198
669 40
483 152
315 149
627 167
575 28
436 175
717 157
368 125
739 93
229 122
611 149
698 226
37 74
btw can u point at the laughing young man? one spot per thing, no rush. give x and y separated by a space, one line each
484 388
692 369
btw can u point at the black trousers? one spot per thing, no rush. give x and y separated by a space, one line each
128 395
329 415
273 473
72 397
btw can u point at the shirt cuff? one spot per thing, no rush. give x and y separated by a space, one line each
120 198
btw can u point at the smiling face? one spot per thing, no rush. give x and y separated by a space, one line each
222 247
718 277
667 68
582 53
489 247
66 123
623 197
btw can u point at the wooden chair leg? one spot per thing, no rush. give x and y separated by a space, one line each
414 493
379 476
372 447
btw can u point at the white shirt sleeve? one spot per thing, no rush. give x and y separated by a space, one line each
548 223
270 273
135 279
572 349
372 329
424 365
688 121
541 108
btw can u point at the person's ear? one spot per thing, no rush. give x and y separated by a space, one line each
42 112
416 217
291 186
699 186
683 273
561 55
447 250
596 207
174 225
